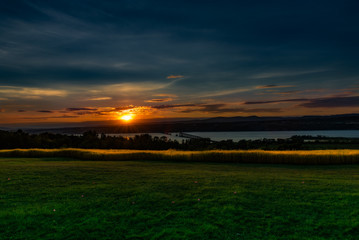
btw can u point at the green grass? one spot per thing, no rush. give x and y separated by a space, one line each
343 156
133 200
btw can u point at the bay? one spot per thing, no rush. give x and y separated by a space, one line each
249 135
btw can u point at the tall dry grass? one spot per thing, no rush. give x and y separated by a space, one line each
234 156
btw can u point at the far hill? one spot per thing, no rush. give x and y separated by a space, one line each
252 123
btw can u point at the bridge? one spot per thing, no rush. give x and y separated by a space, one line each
191 136
186 135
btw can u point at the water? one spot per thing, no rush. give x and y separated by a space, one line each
172 136
236 136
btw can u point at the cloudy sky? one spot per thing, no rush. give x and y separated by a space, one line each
76 61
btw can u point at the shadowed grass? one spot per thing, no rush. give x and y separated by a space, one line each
235 156
159 200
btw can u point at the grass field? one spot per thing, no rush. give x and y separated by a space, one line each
56 198
234 156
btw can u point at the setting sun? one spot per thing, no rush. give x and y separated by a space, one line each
127 117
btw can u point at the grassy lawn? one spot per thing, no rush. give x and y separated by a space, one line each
57 198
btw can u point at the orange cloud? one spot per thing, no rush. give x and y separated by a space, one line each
100 99
166 95
30 93
138 111
174 76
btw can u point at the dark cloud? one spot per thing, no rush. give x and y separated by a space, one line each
215 108
45 111
98 111
54 117
332 102
85 112
160 100
115 41
173 106
75 75
64 116
270 86
336 101
277 101
221 108
286 92
86 45
262 110
80 109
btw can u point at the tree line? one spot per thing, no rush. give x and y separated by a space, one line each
93 140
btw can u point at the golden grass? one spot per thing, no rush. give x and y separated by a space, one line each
237 156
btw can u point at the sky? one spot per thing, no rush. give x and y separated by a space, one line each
75 61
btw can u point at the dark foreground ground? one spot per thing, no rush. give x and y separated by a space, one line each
68 199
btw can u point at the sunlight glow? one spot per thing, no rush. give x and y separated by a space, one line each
126 117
